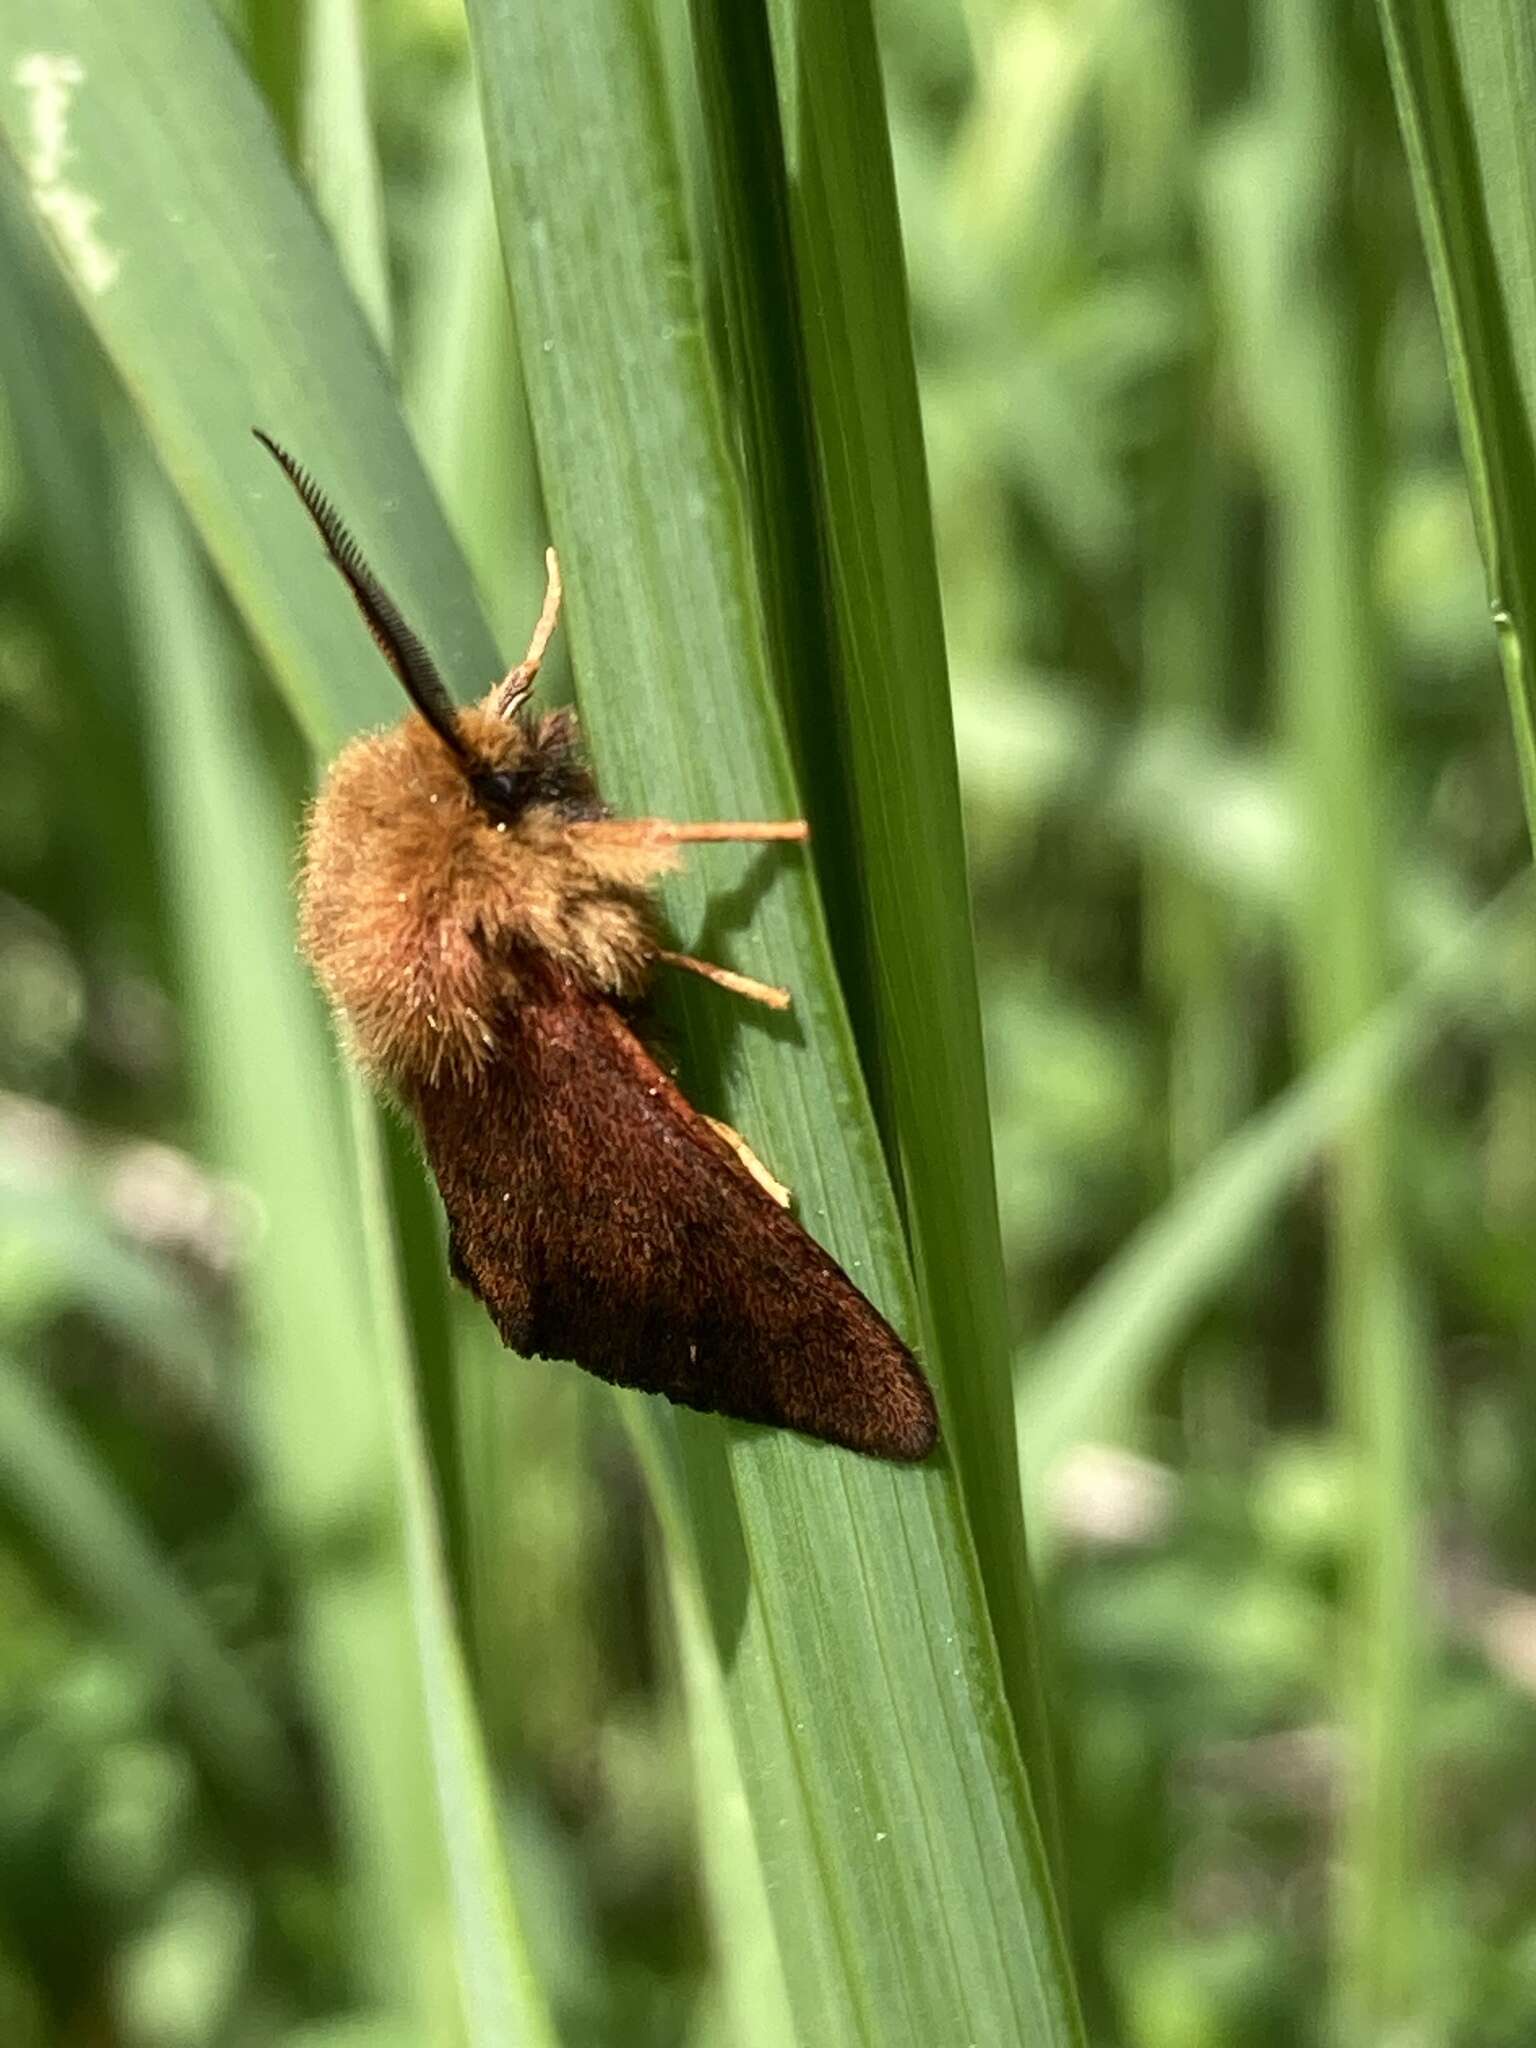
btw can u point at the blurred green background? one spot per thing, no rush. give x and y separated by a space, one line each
1239 782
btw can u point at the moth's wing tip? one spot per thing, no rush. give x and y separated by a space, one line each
887 1411
910 1435
919 1441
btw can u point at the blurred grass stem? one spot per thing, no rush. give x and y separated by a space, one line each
1330 677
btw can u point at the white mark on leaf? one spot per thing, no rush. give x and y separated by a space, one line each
50 83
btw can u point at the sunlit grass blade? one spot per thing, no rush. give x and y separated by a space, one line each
83 1530
463 393
753 1990
895 871
901 1853
500 1999
1463 78
266 1078
215 291
61 452
241 316
336 150
338 1444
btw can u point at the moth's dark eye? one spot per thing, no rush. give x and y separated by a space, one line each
501 789
555 781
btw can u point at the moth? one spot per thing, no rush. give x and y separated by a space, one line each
485 932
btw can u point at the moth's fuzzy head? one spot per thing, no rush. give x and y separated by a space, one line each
434 887
444 865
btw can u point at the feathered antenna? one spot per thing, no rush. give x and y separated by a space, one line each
396 642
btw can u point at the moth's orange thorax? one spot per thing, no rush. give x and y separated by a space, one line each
424 913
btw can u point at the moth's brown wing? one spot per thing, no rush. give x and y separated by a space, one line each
600 1219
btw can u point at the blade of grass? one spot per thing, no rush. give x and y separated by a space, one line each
902 1856
240 314
1188 649
501 2002
464 396
51 1480
1331 685
1084 1380
463 392
68 1249
896 867
158 177
340 1447
340 160
754 1991
1463 79
337 152
46 357
266 1078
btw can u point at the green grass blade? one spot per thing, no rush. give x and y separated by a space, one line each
242 316
217 294
463 391
898 876
320 1445
1187 628
501 2002
51 1481
46 358
337 150
1331 680
340 1446
1463 77
67 1251
902 1856
1086 1378
338 156
363 1625
754 1990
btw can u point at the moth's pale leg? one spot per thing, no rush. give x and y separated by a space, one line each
750 1161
